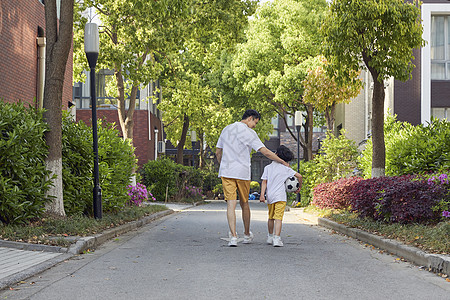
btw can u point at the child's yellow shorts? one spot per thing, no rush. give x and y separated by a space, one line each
276 210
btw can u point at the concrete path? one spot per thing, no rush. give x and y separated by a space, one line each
183 256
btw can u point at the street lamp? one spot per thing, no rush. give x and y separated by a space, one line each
298 125
91 47
193 140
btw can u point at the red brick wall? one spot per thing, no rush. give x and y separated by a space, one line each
19 21
144 148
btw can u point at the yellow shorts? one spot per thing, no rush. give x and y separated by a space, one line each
230 185
276 210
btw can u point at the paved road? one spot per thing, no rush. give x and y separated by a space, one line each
182 256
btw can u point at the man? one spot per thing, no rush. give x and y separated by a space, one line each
233 153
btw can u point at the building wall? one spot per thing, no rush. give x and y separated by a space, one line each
145 147
407 96
19 21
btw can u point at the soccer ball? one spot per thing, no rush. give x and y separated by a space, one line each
291 184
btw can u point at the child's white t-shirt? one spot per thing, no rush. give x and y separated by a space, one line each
237 141
276 174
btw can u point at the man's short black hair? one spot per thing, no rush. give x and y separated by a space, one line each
284 153
251 113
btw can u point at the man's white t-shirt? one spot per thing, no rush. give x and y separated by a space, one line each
237 141
276 174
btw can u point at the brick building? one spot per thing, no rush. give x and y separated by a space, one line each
148 129
22 32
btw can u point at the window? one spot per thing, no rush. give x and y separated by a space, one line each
274 133
440 47
442 113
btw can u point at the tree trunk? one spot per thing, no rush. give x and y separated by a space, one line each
378 148
182 141
330 117
201 163
125 116
309 132
59 42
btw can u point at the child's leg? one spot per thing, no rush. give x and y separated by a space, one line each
278 216
270 222
278 224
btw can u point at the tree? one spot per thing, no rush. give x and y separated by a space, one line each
268 69
381 34
59 42
324 92
191 99
135 36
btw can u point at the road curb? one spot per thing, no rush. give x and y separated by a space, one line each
79 247
435 262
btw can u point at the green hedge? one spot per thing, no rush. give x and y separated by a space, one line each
23 176
116 163
412 149
164 173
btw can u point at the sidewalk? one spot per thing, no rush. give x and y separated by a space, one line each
19 261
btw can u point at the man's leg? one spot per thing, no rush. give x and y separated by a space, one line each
231 216
243 187
270 225
229 189
245 216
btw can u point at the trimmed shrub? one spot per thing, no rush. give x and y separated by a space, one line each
336 194
337 159
116 164
24 179
404 199
158 175
162 174
77 160
412 149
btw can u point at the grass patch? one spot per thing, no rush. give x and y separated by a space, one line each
60 231
432 238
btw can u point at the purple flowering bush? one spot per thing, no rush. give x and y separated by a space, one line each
138 193
193 192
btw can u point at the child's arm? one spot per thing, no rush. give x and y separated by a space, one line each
262 197
300 180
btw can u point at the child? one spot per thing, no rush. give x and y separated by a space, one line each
273 178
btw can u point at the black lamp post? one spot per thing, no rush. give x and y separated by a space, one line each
91 47
298 125
193 140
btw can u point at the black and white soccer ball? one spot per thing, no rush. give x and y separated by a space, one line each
291 184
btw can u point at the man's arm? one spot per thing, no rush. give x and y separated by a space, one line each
270 155
219 154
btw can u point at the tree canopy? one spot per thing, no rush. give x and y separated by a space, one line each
269 67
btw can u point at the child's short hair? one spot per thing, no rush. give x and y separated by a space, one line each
284 153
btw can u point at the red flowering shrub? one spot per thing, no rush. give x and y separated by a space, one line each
403 199
336 194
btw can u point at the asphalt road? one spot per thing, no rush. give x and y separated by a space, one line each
182 256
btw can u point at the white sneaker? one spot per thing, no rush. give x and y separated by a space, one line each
230 235
248 238
233 241
270 239
277 241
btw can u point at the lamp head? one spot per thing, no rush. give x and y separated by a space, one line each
298 118
91 38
